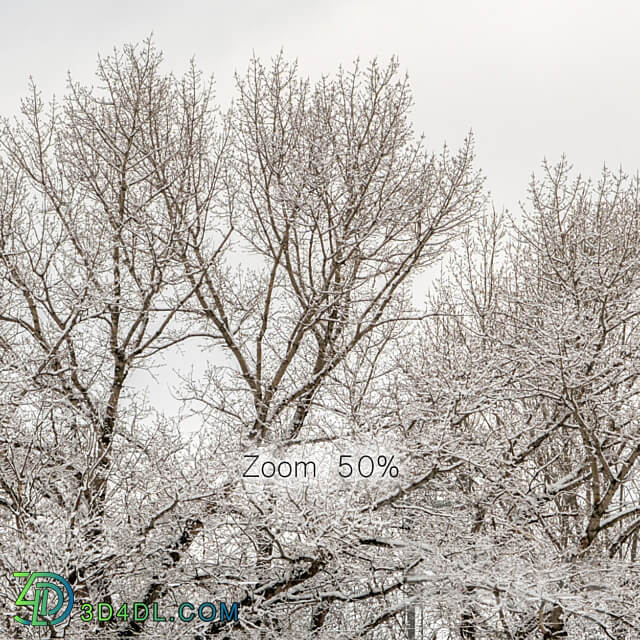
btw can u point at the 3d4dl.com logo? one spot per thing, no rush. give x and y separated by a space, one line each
44 607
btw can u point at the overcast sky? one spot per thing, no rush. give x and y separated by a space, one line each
532 79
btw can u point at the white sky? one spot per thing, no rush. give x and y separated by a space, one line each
533 79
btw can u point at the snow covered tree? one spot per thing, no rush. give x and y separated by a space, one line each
337 204
529 387
91 287
281 239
